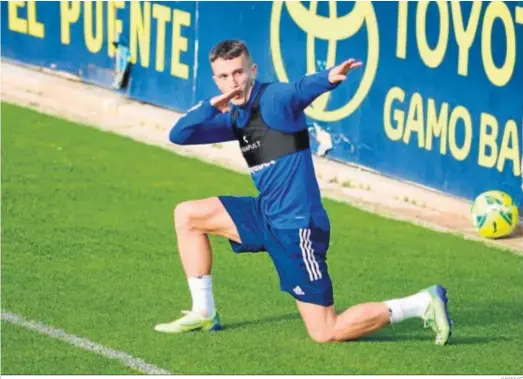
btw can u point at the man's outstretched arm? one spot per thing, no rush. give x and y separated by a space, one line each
201 125
298 95
207 122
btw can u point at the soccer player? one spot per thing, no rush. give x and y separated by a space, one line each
287 219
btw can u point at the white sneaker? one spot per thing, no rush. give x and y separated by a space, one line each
436 316
190 321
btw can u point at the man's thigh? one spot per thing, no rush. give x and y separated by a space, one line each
300 259
208 216
246 215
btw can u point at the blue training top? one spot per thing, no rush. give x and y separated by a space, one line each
289 192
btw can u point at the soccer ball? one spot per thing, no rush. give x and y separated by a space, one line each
494 214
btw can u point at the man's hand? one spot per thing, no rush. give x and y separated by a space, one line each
222 101
339 73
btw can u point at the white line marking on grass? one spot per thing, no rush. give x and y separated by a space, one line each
83 343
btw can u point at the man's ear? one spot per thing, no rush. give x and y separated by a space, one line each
254 70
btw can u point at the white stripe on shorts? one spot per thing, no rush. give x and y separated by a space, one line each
304 254
308 245
308 255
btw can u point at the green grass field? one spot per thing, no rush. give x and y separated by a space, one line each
88 247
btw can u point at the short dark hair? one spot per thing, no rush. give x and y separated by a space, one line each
229 49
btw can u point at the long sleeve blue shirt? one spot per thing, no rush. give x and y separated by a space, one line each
289 192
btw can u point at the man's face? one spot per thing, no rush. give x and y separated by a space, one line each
236 73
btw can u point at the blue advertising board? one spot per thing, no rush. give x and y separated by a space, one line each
438 101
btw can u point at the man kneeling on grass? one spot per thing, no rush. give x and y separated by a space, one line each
287 219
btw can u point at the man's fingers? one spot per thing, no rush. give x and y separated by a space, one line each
345 66
229 95
348 66
352 63
225 97
338 78
235 92
339 73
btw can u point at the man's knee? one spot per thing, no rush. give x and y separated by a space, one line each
200 216
183 215
323 335
320 321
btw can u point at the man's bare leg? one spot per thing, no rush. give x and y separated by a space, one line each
194 221
324 325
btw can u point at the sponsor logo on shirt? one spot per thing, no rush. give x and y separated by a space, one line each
251 146
261 167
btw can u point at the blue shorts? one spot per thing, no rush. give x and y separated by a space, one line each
299 255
